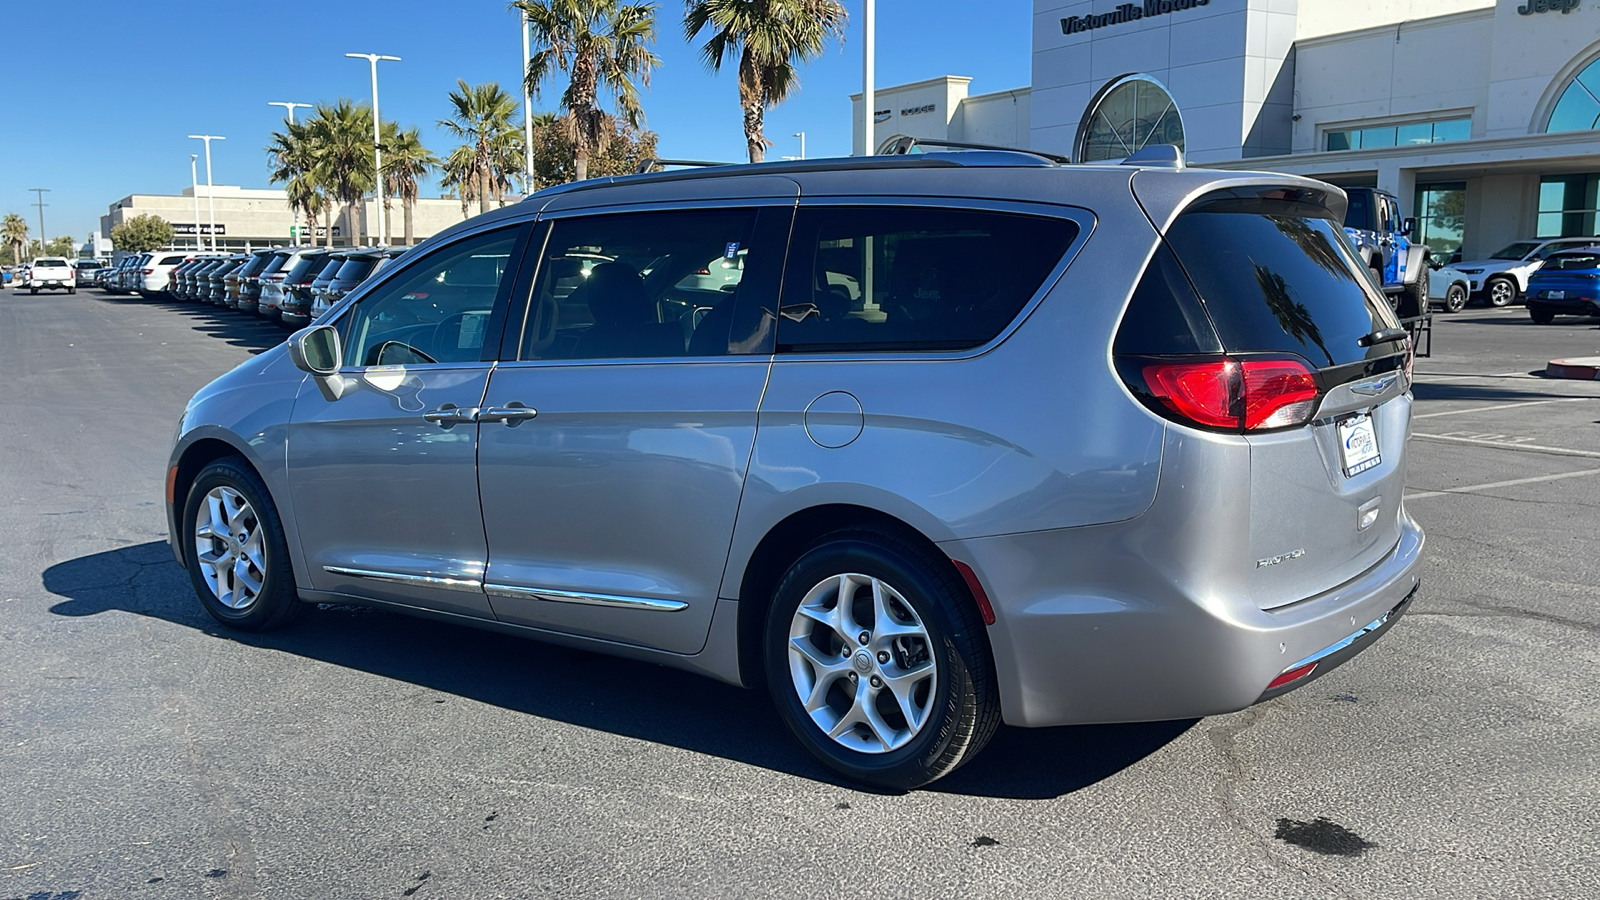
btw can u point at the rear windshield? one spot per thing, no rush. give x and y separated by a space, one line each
256 264
306 268
1359 213
48 262
90 264
355 269
171 260
330 269
1569 262
1276 276
276 263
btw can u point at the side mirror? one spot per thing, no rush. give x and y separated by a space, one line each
317 350
1409 226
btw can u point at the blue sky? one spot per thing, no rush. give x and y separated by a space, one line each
122 84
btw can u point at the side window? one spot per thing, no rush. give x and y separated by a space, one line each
639 285
893 278
436 311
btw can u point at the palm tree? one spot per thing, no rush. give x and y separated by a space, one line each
600 44
771 38
404 161
459 173
485 119
292 158
341 137
14 231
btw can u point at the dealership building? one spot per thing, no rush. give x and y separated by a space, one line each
250 218
1481 115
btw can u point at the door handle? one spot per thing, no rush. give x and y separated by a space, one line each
513 413
450 414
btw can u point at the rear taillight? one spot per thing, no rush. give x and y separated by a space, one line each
1238 395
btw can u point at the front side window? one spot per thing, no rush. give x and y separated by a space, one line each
437 311
898 278
639 285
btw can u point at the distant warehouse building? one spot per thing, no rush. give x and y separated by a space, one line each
249 218
1481 115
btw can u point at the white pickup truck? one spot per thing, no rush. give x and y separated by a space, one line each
51 272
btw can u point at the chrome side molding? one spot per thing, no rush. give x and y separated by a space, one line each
514 592
449 582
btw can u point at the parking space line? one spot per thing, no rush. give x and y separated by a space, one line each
1457 412
1536 479
1505 445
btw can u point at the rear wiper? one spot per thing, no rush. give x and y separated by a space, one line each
1383 337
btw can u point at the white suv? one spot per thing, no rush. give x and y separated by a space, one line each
1503 277
155 276
51 272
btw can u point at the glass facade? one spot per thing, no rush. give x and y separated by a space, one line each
1400 135
1128 115
1441 210
1567 205
1578 109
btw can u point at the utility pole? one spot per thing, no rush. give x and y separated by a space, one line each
194 192
527 110
211 194
41 204
295 210
377 149
867 99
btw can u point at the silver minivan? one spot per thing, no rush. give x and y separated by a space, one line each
918 444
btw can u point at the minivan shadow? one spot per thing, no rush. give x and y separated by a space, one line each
632 699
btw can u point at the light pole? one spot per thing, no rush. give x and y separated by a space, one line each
377 151
867 99
195 192
290 107
527 111
211 195
802 136
40 192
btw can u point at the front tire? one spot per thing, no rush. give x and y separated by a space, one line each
877 661
234 544
1455 298
1500 292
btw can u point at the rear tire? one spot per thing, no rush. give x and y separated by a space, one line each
234 545
1500 292
1541 316
877 661
1455 298
1414 300
72 290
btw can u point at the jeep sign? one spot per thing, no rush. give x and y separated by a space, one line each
1544 6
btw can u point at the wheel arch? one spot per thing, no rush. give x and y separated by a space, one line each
186 467
786 542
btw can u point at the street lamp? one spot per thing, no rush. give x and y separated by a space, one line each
211 195
40 192
527 111
867 100
194 192
377 151
802 136
290 107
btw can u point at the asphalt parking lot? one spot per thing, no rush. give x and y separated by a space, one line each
145 752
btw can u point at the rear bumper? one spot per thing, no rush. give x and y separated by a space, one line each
1572 306
1087 633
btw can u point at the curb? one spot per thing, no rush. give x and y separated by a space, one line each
1586 368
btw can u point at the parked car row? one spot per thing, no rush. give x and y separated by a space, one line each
289 284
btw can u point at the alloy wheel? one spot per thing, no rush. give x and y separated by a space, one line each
230 547
861 662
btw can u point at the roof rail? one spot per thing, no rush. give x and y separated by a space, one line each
651 163
902 144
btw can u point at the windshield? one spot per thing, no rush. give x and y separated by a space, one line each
1516 251
1568 262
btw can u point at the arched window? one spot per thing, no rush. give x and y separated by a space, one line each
1126 115
1578 108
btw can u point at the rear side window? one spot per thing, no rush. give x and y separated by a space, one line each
900 278
1276 276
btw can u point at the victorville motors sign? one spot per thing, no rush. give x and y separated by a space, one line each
1127 12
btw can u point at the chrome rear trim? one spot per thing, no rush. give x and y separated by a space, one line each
1369 628
449 582
513 592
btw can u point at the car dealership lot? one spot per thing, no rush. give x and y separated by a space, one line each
145 751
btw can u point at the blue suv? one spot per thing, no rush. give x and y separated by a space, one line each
1384 242
1567 284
